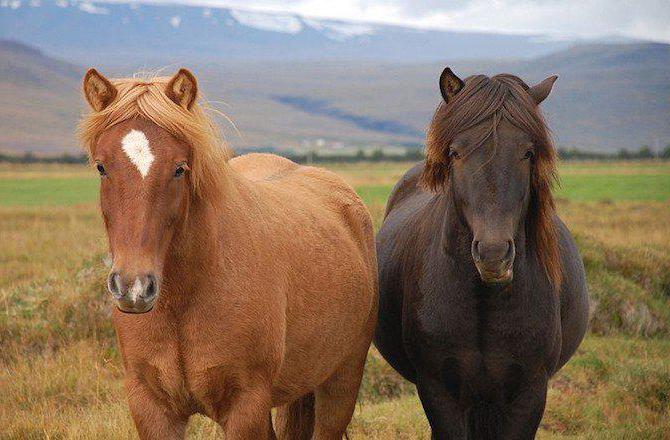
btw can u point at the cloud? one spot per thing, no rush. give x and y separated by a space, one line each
643 19
648 19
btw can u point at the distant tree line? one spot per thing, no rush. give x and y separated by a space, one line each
376 155
33 158
644 152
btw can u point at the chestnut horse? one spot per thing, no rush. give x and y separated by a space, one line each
482 291
240 285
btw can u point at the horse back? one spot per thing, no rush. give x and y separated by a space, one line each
262 166
322 190
407 186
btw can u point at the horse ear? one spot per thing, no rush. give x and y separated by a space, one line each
183 89
450 84
98 90
539 92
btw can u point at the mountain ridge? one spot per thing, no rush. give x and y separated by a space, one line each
607 97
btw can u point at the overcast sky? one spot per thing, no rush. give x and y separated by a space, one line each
646 19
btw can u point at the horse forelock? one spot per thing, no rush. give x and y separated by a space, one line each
146 98
501 97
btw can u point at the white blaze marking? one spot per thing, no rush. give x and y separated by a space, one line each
136 146
135 290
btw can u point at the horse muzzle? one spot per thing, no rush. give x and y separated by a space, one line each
133 294
494 261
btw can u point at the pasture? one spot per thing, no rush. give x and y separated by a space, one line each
61 375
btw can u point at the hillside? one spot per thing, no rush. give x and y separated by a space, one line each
39 100
608 97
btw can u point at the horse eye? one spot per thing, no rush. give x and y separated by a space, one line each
101 169
179 171
453 154
529 154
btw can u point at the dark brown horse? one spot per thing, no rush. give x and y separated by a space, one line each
482 290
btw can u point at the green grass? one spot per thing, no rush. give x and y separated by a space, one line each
374 193
584 187
52 191
586 183
578 182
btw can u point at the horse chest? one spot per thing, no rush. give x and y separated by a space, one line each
170 365
483 342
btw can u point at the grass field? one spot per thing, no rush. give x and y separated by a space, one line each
60 373
68 185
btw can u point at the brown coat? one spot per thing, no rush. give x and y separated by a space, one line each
268 281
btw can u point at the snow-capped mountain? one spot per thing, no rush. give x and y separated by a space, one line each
115 33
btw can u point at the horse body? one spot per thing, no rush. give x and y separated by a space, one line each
480 353
468 346
268 292
259 313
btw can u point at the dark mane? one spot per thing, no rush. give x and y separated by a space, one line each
501 97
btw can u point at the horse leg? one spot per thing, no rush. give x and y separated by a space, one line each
295 421
248 416
153 420
335 399
525 412
447 420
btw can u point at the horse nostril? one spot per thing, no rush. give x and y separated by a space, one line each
152 287
114 285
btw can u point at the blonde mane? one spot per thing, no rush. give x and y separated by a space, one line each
146 98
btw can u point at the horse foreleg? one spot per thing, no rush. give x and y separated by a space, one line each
295 421
153 420
335 399
249 416
447 420
525 412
